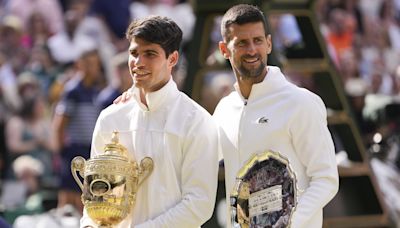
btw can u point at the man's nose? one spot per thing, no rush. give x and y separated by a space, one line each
251 49
138 61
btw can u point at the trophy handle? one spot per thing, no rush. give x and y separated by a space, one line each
78 164
146 167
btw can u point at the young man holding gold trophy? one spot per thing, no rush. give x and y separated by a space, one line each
161 123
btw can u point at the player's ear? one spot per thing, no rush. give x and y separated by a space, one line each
173 58
269 44
223 48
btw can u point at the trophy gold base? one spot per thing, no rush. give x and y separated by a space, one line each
106 214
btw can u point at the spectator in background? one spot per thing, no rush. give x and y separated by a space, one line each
353 8
67 45
114 14
8 87
28 132
341 30
37 31
49 9
9 103
45 69
23 195
179 11
349 65
29 170
91 26
11 44
74 120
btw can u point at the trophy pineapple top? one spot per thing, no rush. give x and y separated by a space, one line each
115 148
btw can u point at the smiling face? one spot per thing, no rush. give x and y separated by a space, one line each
149 68
247 49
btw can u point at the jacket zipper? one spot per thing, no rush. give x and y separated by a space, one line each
239 130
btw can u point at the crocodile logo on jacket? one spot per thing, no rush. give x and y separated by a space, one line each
262 120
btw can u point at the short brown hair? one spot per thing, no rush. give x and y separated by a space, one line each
242 14
158 30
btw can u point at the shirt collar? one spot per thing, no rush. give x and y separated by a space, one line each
157 99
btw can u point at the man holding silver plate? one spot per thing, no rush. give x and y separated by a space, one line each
280 167
165 125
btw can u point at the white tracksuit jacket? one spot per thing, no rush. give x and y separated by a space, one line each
181 138
293 123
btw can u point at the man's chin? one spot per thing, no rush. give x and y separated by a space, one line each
138 84
254 72
251 74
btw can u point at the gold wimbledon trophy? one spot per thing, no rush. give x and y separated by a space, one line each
110 182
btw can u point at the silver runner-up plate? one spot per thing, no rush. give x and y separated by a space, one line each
265 193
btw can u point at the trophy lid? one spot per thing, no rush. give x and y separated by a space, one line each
115 148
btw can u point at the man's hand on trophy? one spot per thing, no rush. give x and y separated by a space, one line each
124 97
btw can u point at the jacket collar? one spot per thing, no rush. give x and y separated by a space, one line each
273 81
157 99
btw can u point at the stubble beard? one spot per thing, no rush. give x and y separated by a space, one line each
251 73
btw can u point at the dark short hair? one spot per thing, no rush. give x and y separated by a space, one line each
158 30
242 14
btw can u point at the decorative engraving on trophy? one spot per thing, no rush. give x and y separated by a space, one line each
110 182
265 194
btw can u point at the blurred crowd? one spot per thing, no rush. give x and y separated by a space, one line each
63 61
363 40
